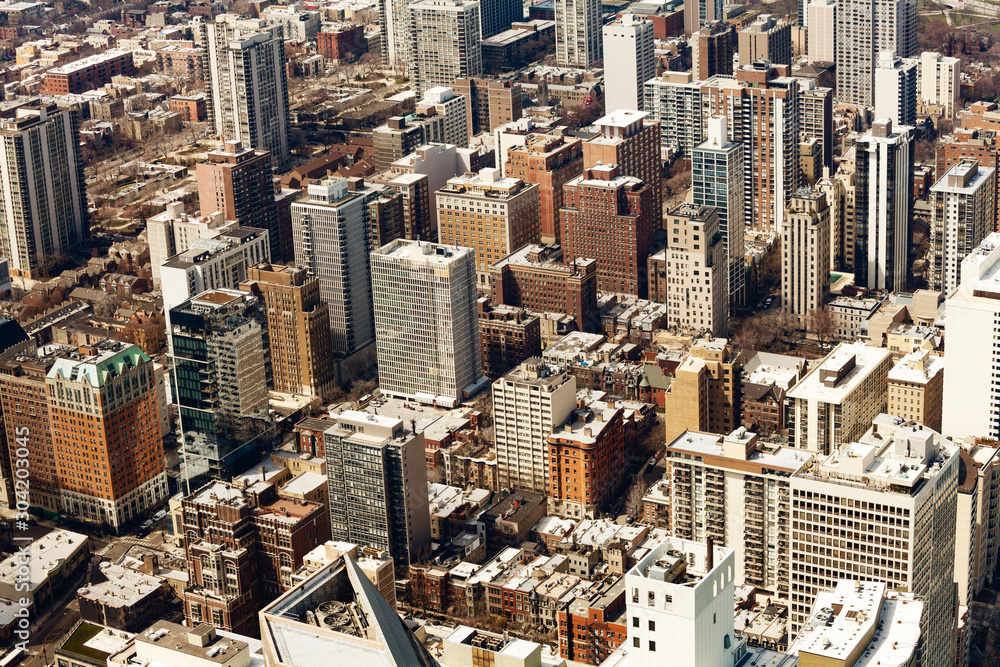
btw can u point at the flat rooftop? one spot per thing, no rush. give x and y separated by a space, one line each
124 586
423 252
866 359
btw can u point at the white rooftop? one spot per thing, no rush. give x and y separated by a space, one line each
123 588
866 359
47 554
845 618
918 367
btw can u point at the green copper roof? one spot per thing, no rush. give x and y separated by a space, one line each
97 370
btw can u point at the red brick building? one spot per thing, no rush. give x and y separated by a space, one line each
183 60
536 277
341 41
551 161
192 108
611 218
88 73
288 530
591 628
587 461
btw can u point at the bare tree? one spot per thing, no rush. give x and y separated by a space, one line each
821 323
633 499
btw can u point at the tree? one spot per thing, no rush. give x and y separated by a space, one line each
821 323
633 499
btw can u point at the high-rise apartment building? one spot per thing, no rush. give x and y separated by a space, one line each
630 140
916 389
330 228
239 183
697 294
43 198
490 102
454 111
971 395
549 160
835 402
221 372
705 392
978 522
536 277
426 321
503 219
822 35
805 254
865 28
396 43
498 15
970 145
939 81
698 12
717 181
298 325
25 400
734 490
816 117
893 490
445 37
587 461
171 232
377 479
245 66
964 212
762 105
529 403
896 89
106 433
578 33
611 218
674 101
767 39
883 206
712 49
217 262
628 52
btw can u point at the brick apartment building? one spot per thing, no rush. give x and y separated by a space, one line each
536 277
611 218
551 161
88 73
192 108
341 41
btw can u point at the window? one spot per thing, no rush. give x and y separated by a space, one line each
652 646
635 642
635 621
652 626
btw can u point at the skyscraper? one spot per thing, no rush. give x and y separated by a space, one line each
498 15
762 105
426 322
578 33
896 89
377 478
445 38
330 227
220 354
805 254
883 206
43 199
245 69
712 48
963 216
628 53
766 39
530 402
172 232
865 28
674 100
822 23
717 181
105 428
239 183
298 325
697 12
971 394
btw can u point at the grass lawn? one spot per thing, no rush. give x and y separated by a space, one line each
83 634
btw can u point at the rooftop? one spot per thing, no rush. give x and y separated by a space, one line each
918 367
423 252
201 642
858 614
124 586
47 555
840 373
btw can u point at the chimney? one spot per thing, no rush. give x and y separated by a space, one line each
710 555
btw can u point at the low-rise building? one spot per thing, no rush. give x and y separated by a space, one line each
54 559
125 599
916 388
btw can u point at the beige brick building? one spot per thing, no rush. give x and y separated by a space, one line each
916 388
